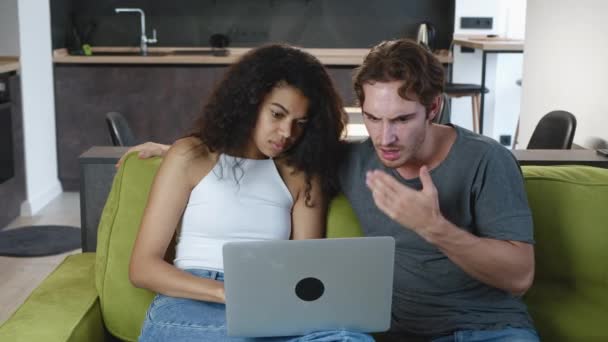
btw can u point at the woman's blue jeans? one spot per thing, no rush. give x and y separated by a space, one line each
180 319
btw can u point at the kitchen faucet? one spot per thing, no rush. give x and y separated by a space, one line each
144 39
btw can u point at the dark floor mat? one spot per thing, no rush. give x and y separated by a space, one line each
34 241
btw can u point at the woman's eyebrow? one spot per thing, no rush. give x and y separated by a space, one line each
281 106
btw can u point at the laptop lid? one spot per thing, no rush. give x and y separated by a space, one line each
294 287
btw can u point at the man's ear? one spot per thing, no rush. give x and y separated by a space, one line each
435 107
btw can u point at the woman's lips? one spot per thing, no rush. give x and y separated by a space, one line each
278 147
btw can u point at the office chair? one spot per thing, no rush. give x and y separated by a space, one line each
119 129
554 131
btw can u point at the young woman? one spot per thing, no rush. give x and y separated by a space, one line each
259 166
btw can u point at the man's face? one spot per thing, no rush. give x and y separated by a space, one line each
396 126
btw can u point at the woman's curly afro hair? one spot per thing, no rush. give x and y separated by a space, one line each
229 117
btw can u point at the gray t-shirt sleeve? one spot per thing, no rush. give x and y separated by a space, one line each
501 208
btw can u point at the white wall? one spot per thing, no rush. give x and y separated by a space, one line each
9 28
42 184
566 67
501 106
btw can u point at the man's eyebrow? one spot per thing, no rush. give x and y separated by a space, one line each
400 116
403 116
368 114
281 106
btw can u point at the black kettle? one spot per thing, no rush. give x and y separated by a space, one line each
426 35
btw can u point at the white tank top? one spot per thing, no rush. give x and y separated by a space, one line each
255 206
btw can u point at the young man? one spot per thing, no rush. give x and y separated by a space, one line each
453 200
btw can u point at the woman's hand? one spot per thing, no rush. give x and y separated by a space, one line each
146 150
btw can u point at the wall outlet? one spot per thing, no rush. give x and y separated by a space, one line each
505 140
465 49
476 22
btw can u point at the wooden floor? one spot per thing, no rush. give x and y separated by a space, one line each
19 276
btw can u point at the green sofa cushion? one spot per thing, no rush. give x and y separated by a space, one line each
569 297
341 219
64 307
123 305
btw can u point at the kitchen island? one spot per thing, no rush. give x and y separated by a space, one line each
160 95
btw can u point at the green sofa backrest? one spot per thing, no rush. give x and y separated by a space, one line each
569 204
123 306
569 297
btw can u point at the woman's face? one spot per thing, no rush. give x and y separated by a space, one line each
281 121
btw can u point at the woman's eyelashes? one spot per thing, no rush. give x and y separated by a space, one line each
277 114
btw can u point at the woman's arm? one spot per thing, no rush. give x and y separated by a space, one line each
166 203
309 222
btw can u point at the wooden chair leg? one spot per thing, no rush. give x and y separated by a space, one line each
516 136
475 104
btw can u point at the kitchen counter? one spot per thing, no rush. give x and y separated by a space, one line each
339 57
8 64
486 43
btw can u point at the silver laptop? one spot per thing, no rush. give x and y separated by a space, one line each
287 288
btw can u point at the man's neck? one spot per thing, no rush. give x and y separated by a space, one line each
436 147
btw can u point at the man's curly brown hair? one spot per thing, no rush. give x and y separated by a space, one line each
229 117
402 60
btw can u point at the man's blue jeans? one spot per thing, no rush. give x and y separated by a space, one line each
180 319
502 335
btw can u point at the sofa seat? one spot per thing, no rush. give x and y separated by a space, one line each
65 307
562 311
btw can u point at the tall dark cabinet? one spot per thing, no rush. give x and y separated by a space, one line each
12 171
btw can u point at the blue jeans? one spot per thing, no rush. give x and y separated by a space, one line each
502 335
180 319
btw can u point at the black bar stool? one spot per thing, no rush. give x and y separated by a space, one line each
456 90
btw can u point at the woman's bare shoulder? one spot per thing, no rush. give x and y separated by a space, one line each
189 149
192 156
294 178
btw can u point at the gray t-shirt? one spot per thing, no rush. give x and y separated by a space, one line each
481 190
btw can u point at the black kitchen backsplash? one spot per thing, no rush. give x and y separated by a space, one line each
307 23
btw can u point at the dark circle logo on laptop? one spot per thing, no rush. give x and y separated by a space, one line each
309 289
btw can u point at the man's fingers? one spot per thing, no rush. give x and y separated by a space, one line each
385 178
386 197
426 180
385 182
120 161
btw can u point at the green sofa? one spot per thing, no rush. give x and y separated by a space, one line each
89 297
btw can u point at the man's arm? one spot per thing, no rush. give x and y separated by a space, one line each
507 265
146 150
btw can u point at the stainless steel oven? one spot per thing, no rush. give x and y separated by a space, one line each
4 87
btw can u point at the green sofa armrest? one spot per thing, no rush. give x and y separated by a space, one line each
64 307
